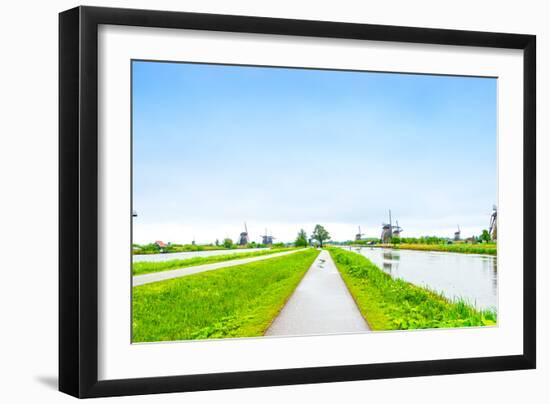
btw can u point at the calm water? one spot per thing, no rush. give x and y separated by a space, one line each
190 254
468 276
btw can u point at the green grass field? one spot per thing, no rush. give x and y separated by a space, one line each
145 267
151 249
239 301
489 248
394 304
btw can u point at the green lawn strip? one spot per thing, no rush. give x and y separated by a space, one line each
152 249
489 249
238 301
394 304
146 267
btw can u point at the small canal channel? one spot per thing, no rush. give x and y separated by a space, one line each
189 254
471 277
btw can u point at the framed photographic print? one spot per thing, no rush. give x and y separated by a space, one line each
250 201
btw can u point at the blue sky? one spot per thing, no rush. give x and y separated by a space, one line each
284 149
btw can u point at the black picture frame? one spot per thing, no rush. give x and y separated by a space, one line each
78 200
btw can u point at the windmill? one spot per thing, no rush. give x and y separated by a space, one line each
267 239
134 213
389 230
457 233
386 231
243 238
493 224
396 229
359 235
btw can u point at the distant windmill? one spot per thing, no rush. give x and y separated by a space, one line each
359 235
243 238
457 233
389 230
386 231
267 239
493 224
396 229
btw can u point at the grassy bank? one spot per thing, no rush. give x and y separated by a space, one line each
146 267
238 301
151 249
490 248
394 304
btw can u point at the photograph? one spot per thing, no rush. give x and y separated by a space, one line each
277 201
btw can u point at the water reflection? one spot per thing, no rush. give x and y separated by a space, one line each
388 266
391 255
468 276
495 277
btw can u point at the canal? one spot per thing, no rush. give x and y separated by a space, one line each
471 277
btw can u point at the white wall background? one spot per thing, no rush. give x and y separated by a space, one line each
28 201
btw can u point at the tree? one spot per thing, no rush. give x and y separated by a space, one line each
217 242
301 239
320 234
485 236
227 243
